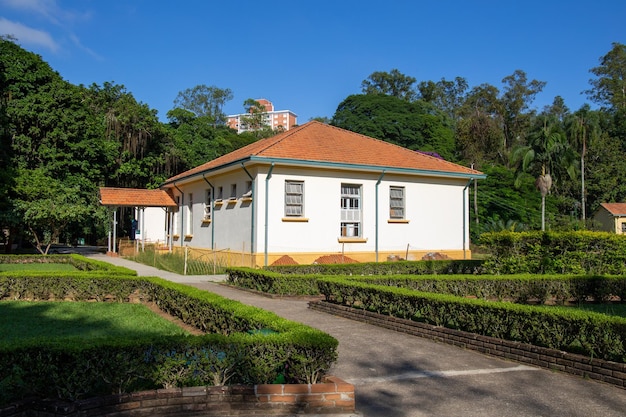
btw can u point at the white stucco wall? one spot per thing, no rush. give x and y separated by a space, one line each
434 210
229 227
153 226
433 220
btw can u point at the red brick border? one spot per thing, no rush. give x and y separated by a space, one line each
333 396
610 372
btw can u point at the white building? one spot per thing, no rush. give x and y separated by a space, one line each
150 213
318 190
276 119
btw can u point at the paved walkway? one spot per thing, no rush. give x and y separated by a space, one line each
398 375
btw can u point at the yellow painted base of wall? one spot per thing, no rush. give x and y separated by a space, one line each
228 258
310 258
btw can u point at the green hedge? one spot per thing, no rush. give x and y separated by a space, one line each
590 334
555 252
273 282
521 288
517 288
79 262
246 345
431 267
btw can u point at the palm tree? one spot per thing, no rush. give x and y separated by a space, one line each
547 152
583 129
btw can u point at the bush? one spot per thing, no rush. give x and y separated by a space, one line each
431 267
536 252
246 345
591 334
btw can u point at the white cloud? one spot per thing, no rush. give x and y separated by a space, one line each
27 35
46 8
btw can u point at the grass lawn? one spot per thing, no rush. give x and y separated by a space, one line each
24 320
52 267
609 309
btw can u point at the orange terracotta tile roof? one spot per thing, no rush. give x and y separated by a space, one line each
133 197
319 142
616 209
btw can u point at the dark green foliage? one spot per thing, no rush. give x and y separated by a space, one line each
555 253
444 267
590 334
280 283
238 350
414 125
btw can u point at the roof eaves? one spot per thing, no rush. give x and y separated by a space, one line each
329 165
363 167
203 172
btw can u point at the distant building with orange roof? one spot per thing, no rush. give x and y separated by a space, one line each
276 119
611 217
316 191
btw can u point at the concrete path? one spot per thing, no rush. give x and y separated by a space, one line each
397 375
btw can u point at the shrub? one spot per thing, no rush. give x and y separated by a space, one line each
245 345
580 252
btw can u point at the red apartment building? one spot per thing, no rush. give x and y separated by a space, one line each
276 119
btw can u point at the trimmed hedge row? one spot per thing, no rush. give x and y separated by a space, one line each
517 288
247 345
538 252
431 267
79 262
591 334
522 288
273 282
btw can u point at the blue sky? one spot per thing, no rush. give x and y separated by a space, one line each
307 56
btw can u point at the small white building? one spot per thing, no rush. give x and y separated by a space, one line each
318 190
150 214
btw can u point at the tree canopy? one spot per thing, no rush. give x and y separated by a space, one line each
414 125
59 142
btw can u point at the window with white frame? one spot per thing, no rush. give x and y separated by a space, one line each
350 210
207 204
294 198
396 202
189 230
220 193
233 191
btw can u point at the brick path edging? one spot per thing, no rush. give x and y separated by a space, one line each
332 396
610 372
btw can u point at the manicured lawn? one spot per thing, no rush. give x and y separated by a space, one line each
23 320
52 267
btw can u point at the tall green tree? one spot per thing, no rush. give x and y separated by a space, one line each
608 88
49 206
393 83
583 129
255 121
413 125
53 135
480 138
546 155
518 94
195 139
447 96
205 101
143 149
